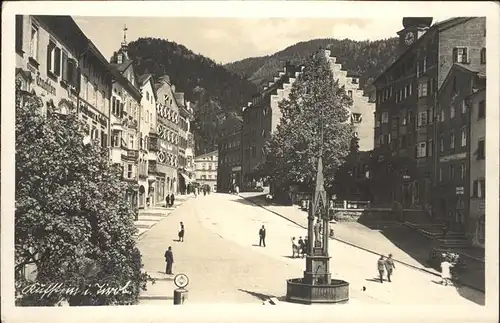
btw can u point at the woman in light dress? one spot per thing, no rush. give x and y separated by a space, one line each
445 271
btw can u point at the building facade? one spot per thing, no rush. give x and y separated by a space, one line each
167 142
125 108
47 61
229 152
185 117
477 191
453 145
405 130
147 129
261 117
206 169
361 114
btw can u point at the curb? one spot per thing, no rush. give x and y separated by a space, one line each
359 247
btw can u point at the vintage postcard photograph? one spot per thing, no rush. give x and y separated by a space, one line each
300 159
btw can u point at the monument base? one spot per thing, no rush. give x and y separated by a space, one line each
336 292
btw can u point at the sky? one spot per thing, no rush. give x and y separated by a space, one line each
231 39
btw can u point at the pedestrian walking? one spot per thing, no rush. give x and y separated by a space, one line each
204 192
172 199
237 190
167 201
381 268
389 265
445 272
262 236
306 247
295 248
181 232
301 246
169 259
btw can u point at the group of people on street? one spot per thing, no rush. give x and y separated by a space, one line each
384 264
169 200
299 248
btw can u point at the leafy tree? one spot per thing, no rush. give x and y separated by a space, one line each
72 222
293 150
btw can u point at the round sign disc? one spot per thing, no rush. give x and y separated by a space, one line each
181 280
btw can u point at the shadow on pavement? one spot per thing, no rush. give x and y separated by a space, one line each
261 296
290 257
375 280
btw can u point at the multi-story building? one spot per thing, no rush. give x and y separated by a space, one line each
260 118
147 129
405 132
190 152
185 117
167 112
361 113
476 220
453 145
47 59
229 153
125 107
206 170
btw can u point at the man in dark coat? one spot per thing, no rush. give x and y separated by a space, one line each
169 259
172 199
167 201
262 236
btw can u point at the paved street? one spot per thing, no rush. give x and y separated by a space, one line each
224 265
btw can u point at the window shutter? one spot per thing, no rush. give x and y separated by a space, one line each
57 61
70 71
465 58
455 55
77 76
50 46
64 66
19 33
483 188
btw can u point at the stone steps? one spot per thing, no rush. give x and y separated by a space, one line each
434 231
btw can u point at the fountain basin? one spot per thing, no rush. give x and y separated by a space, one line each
337 292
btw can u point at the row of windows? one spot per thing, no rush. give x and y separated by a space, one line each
459 55
208 177
451 174
165 112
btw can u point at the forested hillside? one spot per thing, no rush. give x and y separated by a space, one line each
365 59
213 89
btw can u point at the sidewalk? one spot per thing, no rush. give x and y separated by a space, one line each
407 246
149 217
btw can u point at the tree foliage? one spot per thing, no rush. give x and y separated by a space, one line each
71 219
293 150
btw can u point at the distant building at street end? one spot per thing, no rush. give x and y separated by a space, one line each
147 129
405 118
206 169
229 147
261 116
476 220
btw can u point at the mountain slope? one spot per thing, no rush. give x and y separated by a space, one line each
213 89
365 59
